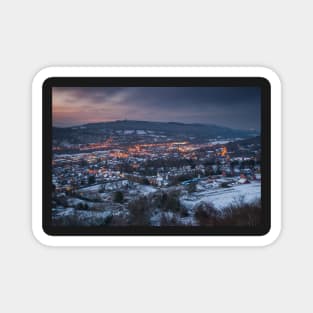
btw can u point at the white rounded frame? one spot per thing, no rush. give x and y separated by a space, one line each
161 241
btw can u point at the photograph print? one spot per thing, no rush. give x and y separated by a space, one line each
156 157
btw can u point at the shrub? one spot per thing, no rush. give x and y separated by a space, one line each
172 203
192 187
207 214
118 197
140 211
80 206
91 180
62 201
145 181
118 220
244 214
224 185
238 213
184 212
164 198
168 220
166 201
101 188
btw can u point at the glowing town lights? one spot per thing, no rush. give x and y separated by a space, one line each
224 151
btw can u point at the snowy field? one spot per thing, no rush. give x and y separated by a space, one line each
224 197
99 213
145 190
82 217
91 188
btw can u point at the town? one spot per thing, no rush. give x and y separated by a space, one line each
138 177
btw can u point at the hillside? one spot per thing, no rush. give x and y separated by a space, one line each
98 131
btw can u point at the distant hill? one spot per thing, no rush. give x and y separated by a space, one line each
98 131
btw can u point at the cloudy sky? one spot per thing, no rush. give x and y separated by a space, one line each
235 107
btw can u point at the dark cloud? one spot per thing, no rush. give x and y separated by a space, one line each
237 107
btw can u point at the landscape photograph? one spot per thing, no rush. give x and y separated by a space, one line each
156 156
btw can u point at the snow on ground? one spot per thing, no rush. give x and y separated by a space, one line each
224 197
63 211
140 132
223 141
155 220
145 190
82 217
75 201
91 188
219 142
128 132
80 213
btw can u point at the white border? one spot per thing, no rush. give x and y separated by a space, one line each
45 239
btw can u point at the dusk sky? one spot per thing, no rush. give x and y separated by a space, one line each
235 107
